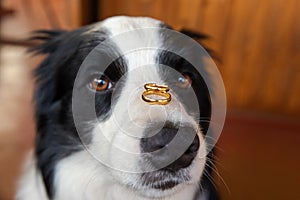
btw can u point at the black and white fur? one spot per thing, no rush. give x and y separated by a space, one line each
60 168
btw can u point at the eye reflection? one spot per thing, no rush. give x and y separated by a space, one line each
184 81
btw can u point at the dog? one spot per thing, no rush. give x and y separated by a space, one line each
77 155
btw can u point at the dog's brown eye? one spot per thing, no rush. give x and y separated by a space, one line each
100 83
185 81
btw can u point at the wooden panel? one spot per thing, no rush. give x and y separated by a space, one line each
39 14
258 42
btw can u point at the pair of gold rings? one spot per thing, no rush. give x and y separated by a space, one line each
152 89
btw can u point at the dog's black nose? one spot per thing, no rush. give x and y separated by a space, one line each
162 139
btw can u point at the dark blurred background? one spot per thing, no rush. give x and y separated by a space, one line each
258 46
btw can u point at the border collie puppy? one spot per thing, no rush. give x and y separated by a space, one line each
97 138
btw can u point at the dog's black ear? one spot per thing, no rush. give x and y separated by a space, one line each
200 38
194 35
46 41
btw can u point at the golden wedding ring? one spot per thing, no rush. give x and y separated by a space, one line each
152 89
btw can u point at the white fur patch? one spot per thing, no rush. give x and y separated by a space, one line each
31 185
83 178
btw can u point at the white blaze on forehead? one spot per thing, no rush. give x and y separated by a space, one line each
134 34
119 24
138 39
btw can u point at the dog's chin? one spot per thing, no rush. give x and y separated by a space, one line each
161 189
160 184
165 185
152 193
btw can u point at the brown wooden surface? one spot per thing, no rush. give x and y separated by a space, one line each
16 115
32 15
258 157
258 42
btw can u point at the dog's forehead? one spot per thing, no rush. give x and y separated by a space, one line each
120 24
132 36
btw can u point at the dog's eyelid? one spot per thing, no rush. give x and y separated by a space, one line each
98 75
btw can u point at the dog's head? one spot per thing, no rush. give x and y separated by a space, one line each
93 123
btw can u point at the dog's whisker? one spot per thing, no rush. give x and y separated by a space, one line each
213 167
210 178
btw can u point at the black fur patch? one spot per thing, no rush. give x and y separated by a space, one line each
57 136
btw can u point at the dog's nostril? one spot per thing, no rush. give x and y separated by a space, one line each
158 140
162 139
187 158
194 146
